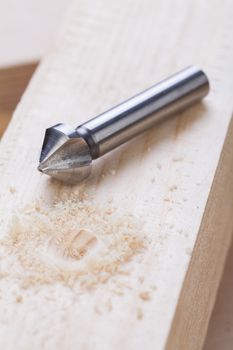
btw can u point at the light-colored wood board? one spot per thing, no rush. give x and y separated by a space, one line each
197 299
169 180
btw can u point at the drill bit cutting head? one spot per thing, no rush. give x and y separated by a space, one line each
65 155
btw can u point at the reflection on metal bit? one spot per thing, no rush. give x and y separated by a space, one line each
65 155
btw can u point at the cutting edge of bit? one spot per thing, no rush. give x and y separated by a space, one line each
65 155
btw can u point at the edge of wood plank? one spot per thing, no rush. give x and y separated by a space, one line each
196 302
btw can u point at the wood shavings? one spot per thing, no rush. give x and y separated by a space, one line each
118 291
76 246
144 296
72 242
12 189
19 299
173 188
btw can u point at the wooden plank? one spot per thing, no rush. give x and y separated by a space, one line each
133 257
196 300
220 331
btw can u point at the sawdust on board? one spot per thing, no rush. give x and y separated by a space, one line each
144 295
72 242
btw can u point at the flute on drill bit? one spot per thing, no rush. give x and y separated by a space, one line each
67 153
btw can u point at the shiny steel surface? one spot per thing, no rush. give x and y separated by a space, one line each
121 123
67 153
64 155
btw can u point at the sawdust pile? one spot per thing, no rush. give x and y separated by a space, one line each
71 242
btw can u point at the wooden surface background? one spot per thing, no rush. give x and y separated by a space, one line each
219 70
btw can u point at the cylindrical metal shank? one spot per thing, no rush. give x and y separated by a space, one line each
119 124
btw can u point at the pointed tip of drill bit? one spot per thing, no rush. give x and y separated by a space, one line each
65 155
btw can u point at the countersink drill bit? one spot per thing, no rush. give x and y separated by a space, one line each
67 153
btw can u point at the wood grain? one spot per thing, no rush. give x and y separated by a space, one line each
169 180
